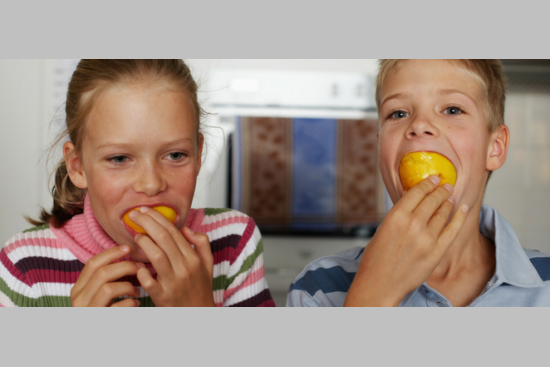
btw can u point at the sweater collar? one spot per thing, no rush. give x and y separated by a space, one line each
83 235
85 238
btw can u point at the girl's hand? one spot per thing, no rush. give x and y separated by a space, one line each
408 246
96 286
184 273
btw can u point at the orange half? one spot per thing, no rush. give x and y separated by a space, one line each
415 167
166 212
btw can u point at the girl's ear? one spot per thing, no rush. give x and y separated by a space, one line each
199 152
498 148
74 166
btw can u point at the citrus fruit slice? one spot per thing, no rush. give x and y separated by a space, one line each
415 167
166 212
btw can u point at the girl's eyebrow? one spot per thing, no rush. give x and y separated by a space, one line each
129 145
177 141
114 145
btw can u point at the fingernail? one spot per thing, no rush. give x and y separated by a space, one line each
465 208
144 209
124 248
137 236
449 187
435 179
140 265
137 303
189 230
132 214
452 199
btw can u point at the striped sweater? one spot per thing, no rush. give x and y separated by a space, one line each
39 266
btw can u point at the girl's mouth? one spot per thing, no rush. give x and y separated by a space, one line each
167 211
132 232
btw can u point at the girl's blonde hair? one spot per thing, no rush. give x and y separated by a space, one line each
489 73
88 81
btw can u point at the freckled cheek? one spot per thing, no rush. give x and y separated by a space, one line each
184 187
184 183
108 187
106 191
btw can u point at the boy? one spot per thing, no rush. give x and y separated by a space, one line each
438 245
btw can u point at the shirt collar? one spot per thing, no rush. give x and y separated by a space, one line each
512 263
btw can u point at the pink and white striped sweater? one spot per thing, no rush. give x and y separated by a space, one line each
39 266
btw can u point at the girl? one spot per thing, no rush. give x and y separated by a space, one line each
135 143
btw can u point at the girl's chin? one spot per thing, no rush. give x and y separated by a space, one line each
137 254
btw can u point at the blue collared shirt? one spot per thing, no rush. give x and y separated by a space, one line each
521 277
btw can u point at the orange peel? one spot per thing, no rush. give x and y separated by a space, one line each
166 212
415 167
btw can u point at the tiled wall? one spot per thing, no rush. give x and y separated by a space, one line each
520 190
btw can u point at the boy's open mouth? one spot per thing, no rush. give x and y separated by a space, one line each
415 166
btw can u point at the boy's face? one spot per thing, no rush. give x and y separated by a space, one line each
433 105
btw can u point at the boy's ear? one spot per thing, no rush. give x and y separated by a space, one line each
74 166
498 148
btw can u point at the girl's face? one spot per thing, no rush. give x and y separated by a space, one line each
140 149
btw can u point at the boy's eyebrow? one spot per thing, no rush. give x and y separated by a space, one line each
393 96
453 91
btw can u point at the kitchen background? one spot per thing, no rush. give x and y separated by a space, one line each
32 91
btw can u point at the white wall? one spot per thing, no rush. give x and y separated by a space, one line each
22 141
201 67
520 190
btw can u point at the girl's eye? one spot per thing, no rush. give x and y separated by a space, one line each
119 159
453 111
177 156
398 115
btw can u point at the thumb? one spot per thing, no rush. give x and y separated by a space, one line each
201 243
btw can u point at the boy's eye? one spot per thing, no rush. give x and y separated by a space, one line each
453 111
398 115
176 156
119 159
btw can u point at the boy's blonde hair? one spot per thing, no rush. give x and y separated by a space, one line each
489 73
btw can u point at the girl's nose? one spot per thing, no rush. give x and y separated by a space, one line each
422 127
149 180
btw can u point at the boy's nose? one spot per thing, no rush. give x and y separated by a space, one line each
422 127
149 181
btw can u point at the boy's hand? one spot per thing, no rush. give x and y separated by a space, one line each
184 273
408 246
96 286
